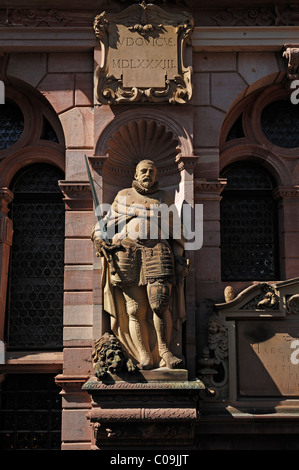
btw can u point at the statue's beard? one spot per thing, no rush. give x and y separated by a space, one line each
148 188
147 184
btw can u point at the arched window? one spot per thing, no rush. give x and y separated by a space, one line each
248 224
35 300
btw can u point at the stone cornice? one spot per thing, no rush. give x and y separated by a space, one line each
46 39
204 38
236 38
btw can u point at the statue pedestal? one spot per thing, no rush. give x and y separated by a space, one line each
151 409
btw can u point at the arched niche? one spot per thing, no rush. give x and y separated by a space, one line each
132 137
135 141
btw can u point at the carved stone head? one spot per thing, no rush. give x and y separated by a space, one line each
108 356
146 173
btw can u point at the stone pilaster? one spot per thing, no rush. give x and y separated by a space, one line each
288 209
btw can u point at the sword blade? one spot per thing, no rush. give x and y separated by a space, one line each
95 198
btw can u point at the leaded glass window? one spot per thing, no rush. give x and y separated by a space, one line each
35 300
280 124
11 124
248 225
30 413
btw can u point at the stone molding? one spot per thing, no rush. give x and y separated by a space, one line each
70 383
161 412
148 414
284 15
232 38
94 384
204 38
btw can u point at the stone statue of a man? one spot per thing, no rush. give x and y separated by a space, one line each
143 276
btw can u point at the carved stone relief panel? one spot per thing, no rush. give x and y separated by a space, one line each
143 48
253 344
266 364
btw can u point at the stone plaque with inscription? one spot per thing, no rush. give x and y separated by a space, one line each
268 358
143 49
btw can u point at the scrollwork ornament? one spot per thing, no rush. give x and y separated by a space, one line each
214 362
143 22
293 305
291 53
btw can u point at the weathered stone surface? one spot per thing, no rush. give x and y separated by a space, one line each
201 93
265 358
58 88
225 88
30 68
78 251
214 61
208 122
77 223
70 62
84 89
78 127
254 66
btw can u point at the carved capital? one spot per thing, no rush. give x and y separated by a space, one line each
77 194
97 162
209 189
286 192
6 197
291 53
187 162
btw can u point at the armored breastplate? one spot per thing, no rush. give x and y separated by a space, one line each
143 263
